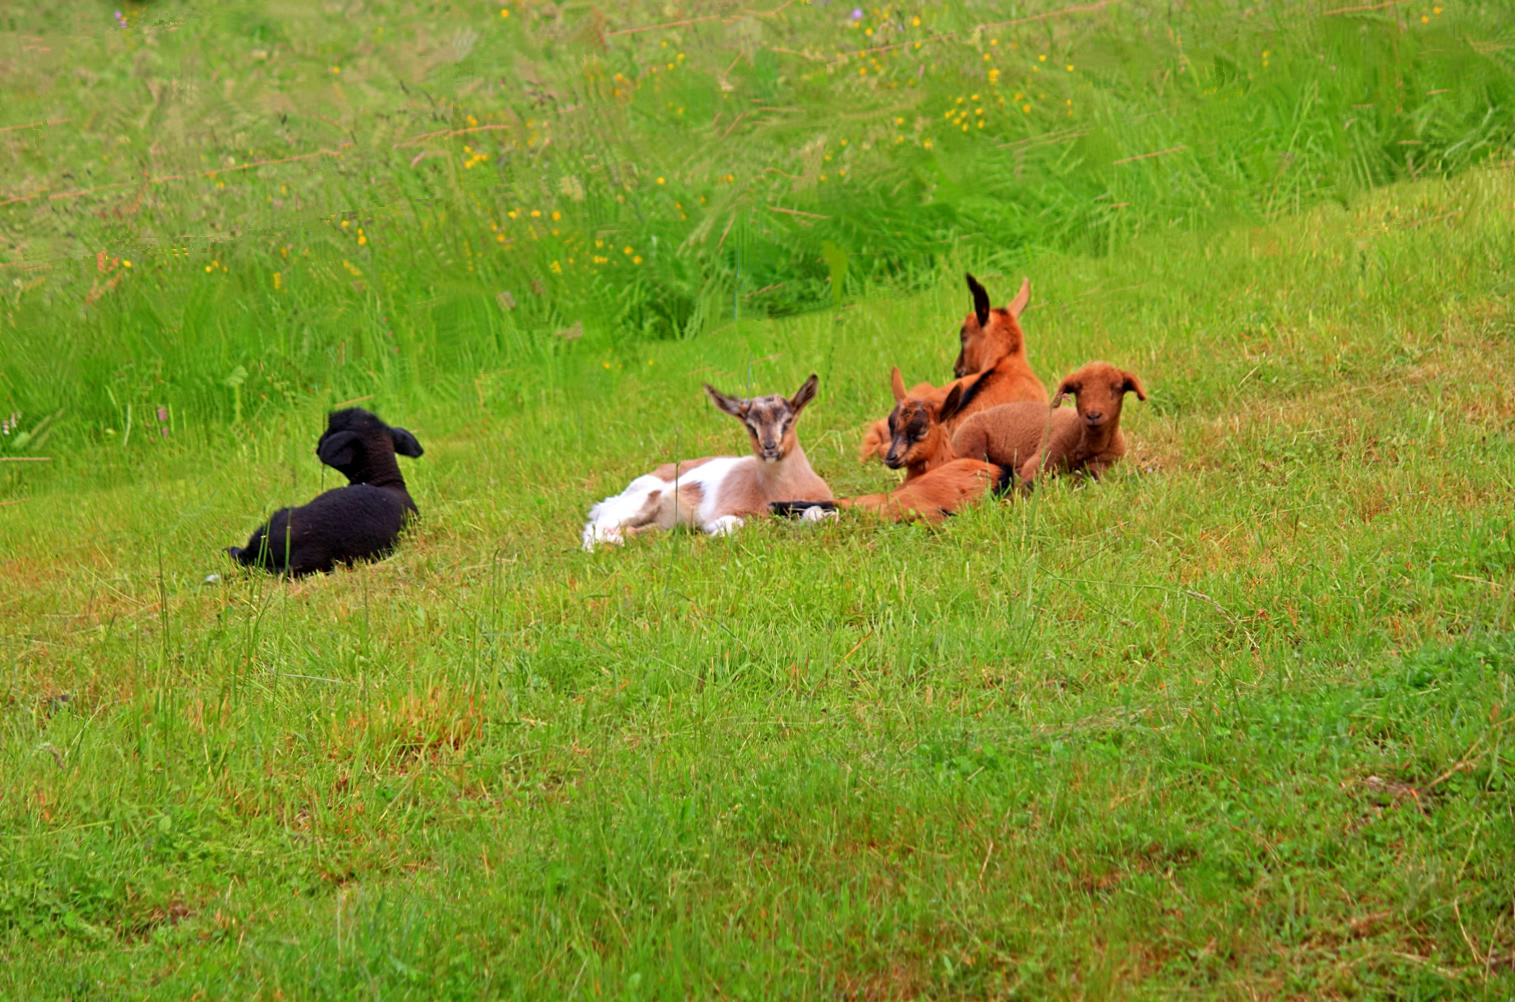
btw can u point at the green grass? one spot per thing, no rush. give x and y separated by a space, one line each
334 202
1233 724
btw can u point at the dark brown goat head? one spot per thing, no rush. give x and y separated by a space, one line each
769 420
987 334
1099 389
918 426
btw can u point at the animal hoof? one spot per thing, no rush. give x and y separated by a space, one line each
819 514
724 526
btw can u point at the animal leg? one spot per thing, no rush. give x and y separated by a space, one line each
725 525
636 506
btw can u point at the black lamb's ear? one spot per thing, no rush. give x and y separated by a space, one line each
405 443
338 449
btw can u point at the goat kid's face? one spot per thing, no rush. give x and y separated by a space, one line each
769 420
911 425
987 334
917 427
1099 391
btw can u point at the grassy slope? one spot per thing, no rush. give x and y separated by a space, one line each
1234 724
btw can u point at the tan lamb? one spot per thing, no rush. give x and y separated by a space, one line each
1031 439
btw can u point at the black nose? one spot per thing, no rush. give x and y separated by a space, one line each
1094 416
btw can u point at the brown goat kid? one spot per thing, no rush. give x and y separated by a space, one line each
920 437
930 497
1031 439
993 347
937 483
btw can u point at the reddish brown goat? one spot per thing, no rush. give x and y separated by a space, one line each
1031 439
993 347
937 483
920 436
930 497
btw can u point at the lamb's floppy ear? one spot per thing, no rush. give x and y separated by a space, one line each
897 384
1067 386
338 449
1018 304
1133 385
731 405
804 394
980 300
405 443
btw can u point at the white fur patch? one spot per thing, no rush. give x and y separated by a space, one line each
651 500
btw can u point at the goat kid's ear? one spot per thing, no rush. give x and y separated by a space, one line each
1018 304
804 394
897 384
405 443
731 405
952 404
339 449
980 300
1064 388
1133 385
965 397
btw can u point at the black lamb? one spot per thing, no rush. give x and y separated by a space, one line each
359 522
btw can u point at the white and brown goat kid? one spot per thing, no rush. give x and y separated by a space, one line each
718 492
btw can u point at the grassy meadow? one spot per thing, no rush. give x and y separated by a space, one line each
1234 723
